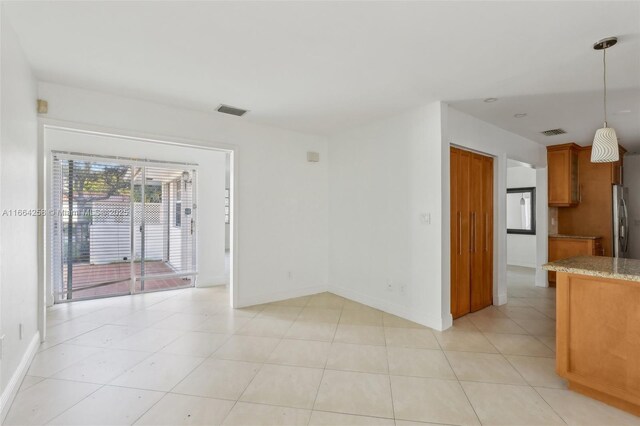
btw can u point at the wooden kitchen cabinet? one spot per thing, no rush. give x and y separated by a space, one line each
616 171
564 175
563 247
594 214
597 330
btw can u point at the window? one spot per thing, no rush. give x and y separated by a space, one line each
226 206
521 211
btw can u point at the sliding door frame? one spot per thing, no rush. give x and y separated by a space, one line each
45 296
142 165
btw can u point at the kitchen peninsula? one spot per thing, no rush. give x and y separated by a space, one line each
598 328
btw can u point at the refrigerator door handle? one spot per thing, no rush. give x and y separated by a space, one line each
624 227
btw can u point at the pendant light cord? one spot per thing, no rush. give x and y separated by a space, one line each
604 78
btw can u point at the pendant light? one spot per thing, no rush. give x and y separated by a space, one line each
605 142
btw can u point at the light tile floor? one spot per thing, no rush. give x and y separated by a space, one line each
185 357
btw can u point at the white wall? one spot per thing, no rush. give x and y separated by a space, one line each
210 184
521 249
469 132
281 204
382 177
18 190
543 223
521 177
632 181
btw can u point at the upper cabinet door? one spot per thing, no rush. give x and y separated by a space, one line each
564 173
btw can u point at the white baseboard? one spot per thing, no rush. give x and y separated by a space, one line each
210 285
213 282
541 278
13 386
395 309
501 300
244 301
447 321
522 264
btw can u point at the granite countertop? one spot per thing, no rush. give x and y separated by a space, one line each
598 266
575 237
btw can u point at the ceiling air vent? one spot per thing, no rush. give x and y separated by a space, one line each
226 109
553 132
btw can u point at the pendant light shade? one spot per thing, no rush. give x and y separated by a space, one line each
605 142
605 146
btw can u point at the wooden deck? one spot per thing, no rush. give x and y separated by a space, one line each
87 279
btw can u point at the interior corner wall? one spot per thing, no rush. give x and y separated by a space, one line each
19 232
521 248
281 199
471 133
386 217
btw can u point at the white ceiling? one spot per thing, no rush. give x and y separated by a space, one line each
324 66
579 114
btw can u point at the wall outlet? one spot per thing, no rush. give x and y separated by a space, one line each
290 275
20 327
389 285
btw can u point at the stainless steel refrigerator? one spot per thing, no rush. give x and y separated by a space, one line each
620 221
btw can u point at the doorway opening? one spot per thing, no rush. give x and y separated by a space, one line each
121 226
521 225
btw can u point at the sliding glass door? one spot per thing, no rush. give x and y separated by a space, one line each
164 228
118 227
